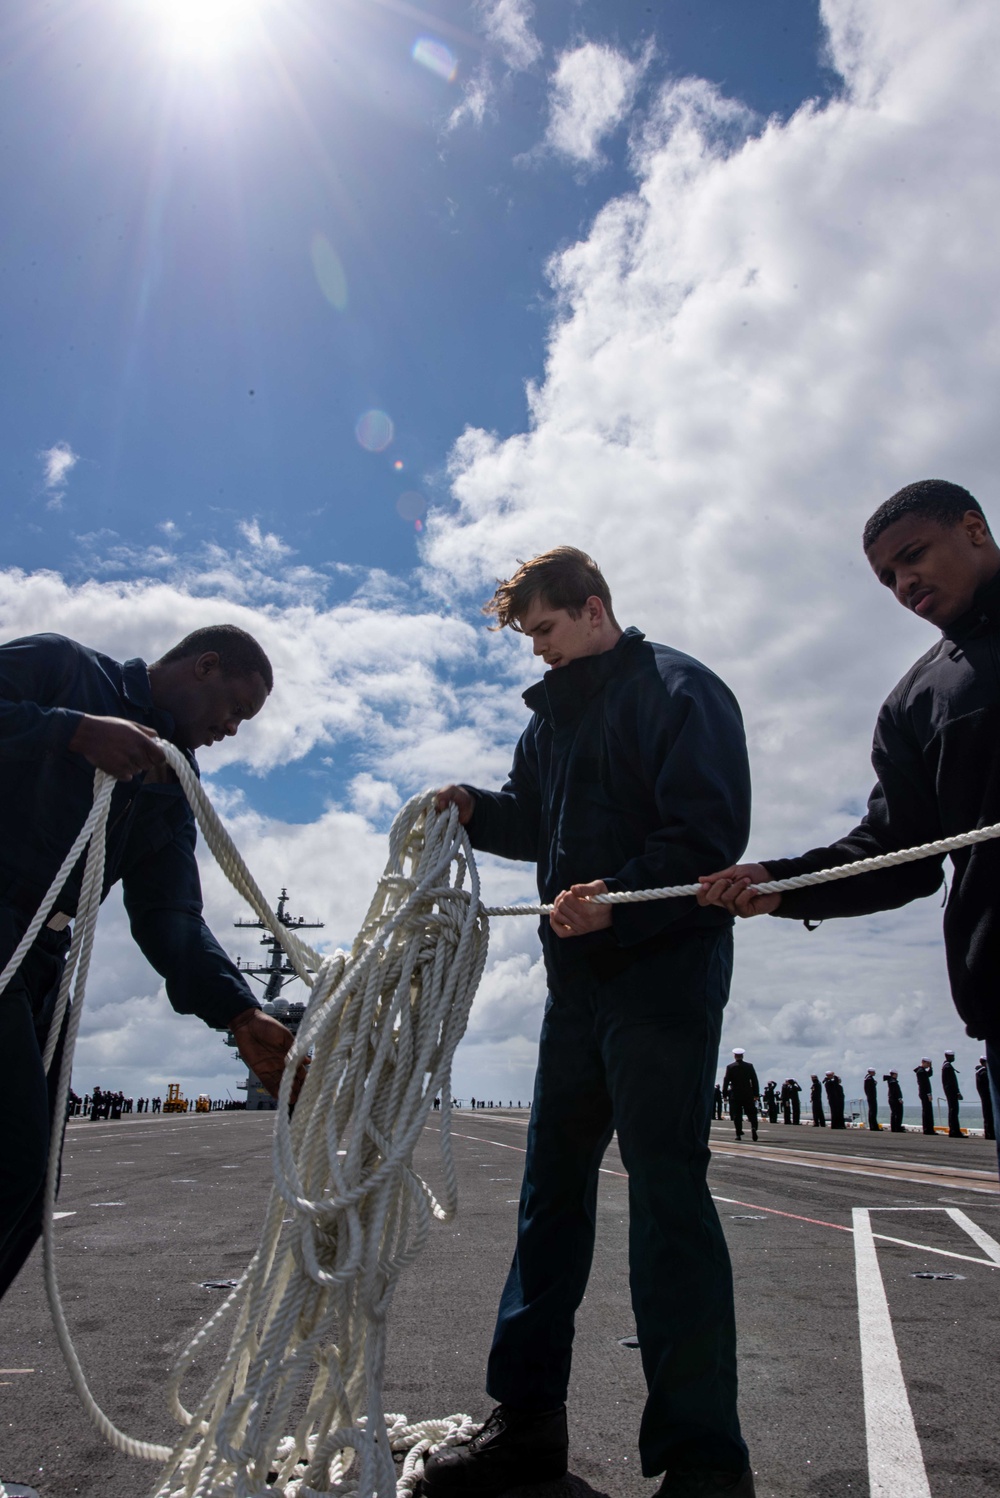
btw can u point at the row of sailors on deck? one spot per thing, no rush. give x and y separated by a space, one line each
741 1090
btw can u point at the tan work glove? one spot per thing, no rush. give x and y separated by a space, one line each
263 1043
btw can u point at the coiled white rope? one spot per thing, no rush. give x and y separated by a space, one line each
347 1211
779 886
382 1023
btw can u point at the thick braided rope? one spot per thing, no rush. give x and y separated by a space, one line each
779 886
383 1023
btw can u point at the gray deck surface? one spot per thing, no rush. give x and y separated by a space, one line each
190 1192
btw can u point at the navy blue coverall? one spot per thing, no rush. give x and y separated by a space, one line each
46 683
632 769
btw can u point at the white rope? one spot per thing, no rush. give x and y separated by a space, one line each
382 1024
778 886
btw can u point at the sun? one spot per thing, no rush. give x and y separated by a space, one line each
206 28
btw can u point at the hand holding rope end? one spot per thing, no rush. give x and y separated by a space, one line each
263 1043
735 890
575 913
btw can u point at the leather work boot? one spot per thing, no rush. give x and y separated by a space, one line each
702 1482
513 1450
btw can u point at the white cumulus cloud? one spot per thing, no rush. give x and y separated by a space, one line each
593 87
58 461
507 26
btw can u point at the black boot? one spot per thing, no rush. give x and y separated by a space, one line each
514 1449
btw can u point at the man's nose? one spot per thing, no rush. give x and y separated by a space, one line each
906 580
537 646
231 727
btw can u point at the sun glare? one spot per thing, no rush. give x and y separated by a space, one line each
206 28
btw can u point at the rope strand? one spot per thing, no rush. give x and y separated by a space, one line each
778 886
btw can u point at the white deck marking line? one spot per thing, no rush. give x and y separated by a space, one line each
56 1215
518 1149
925 1248
819 1222
895 1460
976 1233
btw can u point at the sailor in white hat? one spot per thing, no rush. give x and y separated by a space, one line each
741 1087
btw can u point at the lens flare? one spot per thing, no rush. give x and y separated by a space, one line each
329 271
435 57
411 506
374 430
398 465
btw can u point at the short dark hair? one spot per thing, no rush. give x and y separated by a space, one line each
239 653
564 577
936 498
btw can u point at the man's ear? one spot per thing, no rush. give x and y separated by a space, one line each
206 664
976 528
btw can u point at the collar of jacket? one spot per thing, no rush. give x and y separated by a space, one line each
562 695
983 616
137 691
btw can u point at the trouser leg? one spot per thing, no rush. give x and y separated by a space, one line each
660 1039
873 1122
29 1099
736 1114
896 1118
954 1126
927 1111
993 1073
568 1132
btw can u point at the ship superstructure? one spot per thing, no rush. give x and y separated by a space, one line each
275 973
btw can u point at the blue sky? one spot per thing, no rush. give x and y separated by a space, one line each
161 303
694 286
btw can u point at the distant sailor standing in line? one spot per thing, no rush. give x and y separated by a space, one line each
923 1074
949 1081
771 1102
717 1106
835 1097
816 1099
741 1087
896 1101
790 1090
871 1093
983 1088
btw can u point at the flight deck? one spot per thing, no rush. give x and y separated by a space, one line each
866 1298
